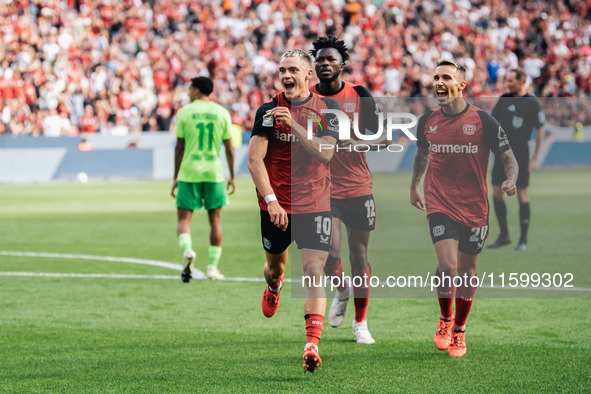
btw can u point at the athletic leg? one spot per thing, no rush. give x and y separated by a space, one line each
314 306
334 268
358 244
215 243
447 261
501 213
185 242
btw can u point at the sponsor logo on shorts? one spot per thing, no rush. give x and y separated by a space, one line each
438 231
266 243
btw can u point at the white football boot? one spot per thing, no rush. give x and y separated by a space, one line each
188 265
361 333
214 273
336 314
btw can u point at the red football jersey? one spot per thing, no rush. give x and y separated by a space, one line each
460 144
300 182
349 172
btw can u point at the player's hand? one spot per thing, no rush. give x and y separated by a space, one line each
348 145
174 185
509 188
231 186
278 215
416 200
282 115
532 165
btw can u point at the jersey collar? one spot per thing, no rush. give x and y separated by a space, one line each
332 93
299 103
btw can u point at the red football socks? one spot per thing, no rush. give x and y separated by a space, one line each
314 323
464 296
445 296
361 293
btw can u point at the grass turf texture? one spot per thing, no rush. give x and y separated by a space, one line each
154 335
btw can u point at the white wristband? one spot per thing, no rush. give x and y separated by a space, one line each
270 197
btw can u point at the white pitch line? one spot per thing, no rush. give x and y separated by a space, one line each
164 264
76 275
197 274
118 276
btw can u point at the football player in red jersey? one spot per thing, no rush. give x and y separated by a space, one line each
352 199
292 178
454 143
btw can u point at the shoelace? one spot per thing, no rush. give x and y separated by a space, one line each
443 327
271 297
311 347
457 341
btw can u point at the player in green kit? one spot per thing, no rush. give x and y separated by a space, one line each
201 126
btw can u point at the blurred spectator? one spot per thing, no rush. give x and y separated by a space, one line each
89 122
55 125
84 145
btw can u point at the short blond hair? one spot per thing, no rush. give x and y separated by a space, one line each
301 54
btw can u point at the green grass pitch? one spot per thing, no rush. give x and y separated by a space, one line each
151 334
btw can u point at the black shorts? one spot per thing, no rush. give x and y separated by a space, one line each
358 213
471 239
309 230
522 156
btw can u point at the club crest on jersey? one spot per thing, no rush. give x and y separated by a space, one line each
517 122
469 129
349 107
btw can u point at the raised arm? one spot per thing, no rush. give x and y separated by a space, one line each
321 148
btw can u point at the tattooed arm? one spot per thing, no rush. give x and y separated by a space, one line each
419 167
511 172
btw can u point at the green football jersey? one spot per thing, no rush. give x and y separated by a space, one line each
203 125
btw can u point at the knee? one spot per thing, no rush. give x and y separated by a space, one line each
359 261
334 254
447 267
275 271
314 268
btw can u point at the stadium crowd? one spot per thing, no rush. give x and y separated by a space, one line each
118 67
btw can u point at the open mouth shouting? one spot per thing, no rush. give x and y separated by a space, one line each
441 92
289 86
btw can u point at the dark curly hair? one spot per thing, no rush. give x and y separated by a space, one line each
330 42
